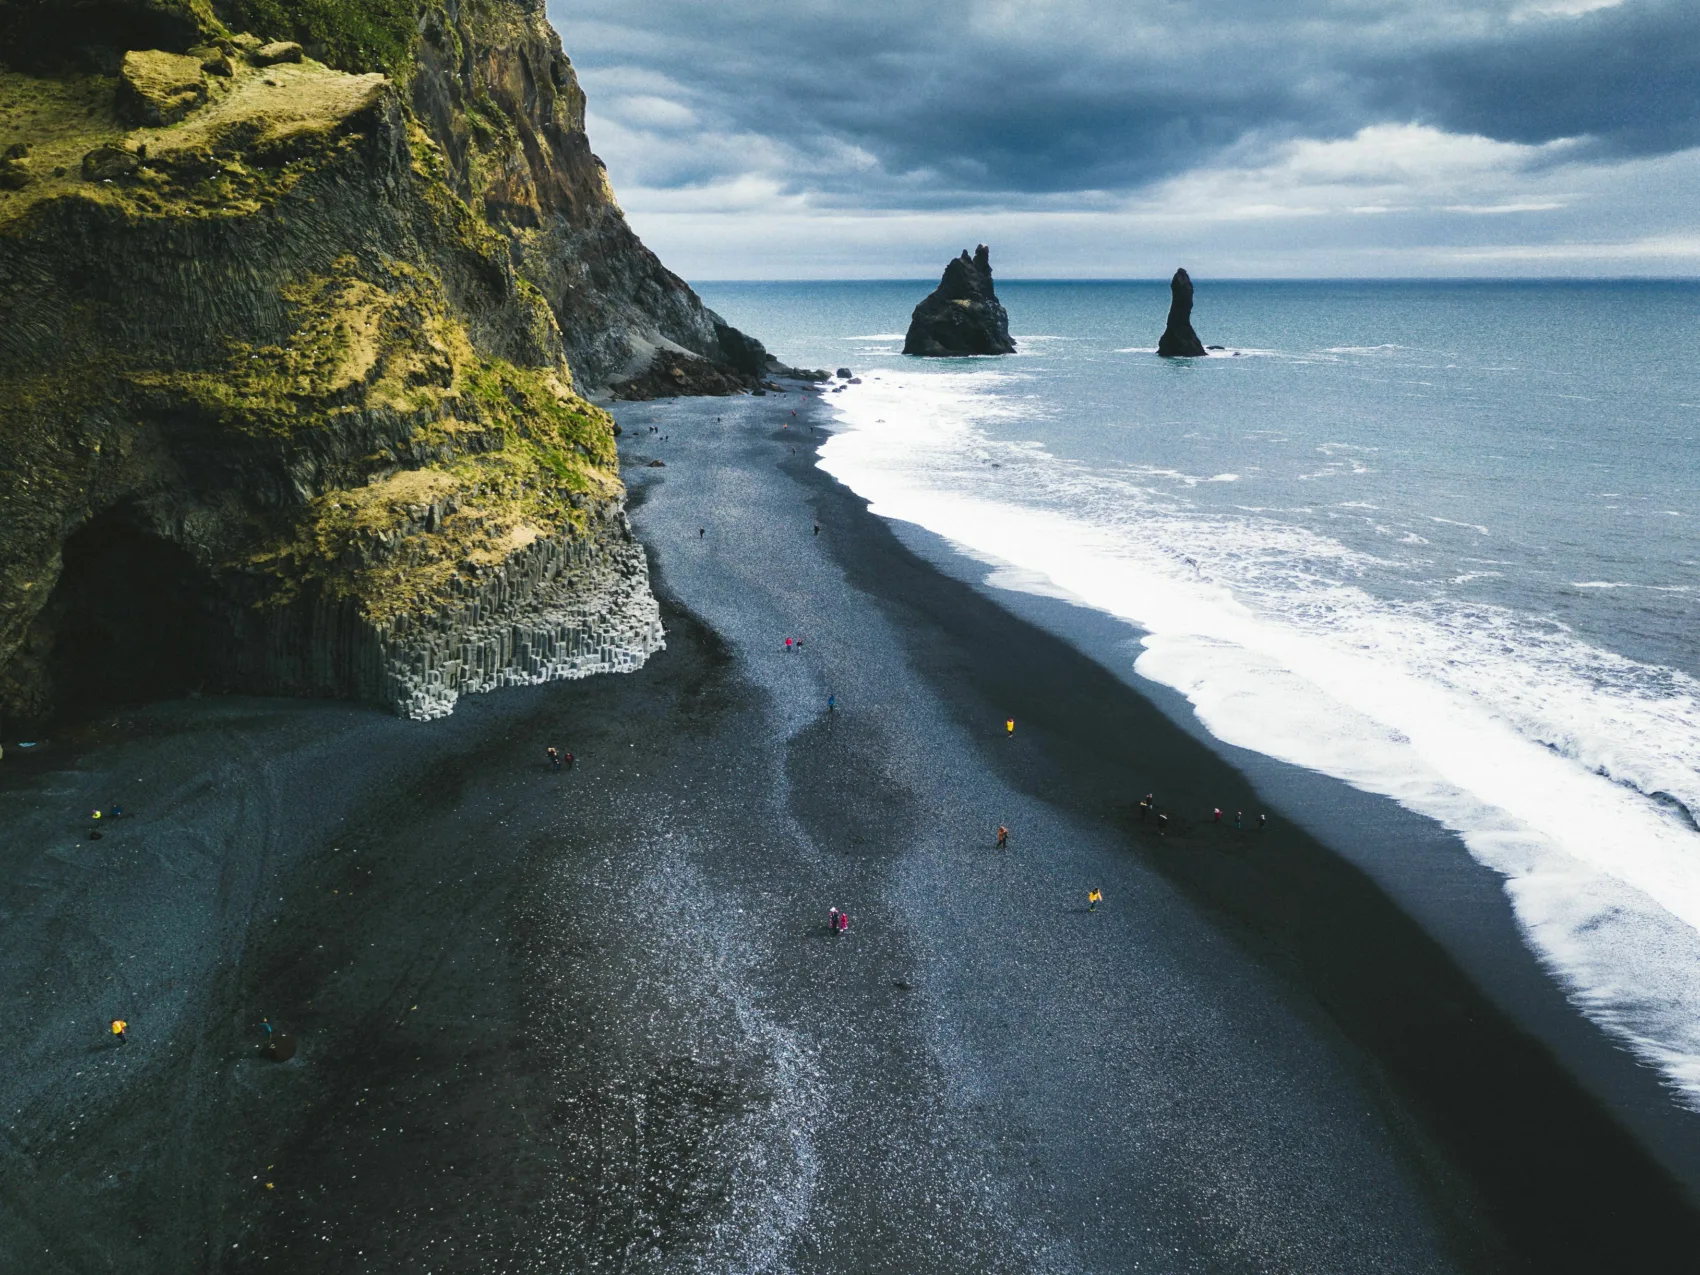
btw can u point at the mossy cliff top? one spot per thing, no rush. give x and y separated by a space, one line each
273 302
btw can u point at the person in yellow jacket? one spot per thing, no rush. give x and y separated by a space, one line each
119 1027
1093 899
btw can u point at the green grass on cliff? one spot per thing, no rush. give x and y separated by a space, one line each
421 458
485 455
353 35
260 131
394 543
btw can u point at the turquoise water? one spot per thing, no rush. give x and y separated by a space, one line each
1438 540
1564 418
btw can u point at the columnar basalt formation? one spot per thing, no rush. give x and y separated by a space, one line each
289 328
962 315
1179 341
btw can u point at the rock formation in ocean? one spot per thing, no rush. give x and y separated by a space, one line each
962 315
1179 340
293 329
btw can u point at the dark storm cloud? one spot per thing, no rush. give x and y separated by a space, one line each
1628 78
916 104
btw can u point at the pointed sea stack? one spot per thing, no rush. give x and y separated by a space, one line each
963 315
1179 340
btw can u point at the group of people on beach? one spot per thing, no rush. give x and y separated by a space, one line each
838 921
1148 807
95 834
557 759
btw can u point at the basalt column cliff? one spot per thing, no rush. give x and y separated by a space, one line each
292 301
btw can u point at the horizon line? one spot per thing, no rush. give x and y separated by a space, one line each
1160 279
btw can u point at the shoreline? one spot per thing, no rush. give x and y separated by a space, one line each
1486 1087
595 1016
1423 870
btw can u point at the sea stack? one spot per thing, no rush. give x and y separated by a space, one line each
963 315
1179 340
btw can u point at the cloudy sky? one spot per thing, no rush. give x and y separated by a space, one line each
753 139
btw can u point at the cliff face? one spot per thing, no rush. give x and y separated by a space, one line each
288 328
500 98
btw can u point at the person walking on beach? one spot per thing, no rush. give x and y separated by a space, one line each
787 646
1239 821
119 1029
1009 728
832 920
1262 822
817 529
554 759
701 532
1146 806
1217 813
1093 899
1162 825
1003 838
831 703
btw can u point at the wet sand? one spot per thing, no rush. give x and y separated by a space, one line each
594 1020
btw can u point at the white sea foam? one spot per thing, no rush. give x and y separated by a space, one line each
1468 526
1569 769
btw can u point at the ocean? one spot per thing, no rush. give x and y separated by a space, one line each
1440 541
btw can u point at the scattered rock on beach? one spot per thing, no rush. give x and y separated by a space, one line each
963 314
1179 340
844 374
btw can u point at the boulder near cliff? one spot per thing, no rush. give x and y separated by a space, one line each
963 314
297 303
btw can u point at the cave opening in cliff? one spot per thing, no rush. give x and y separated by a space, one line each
130 618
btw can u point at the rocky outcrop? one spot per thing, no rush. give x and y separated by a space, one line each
292 332
962 315
160 88
1178 339
502 101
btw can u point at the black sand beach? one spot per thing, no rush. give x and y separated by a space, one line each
594 1020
